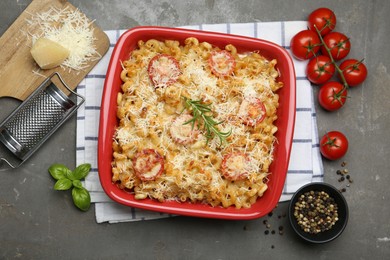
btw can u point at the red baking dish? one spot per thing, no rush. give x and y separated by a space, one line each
285 122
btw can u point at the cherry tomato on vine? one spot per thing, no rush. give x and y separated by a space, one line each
324 19
305 44
333 145
338 44
320 69
332 95
354 71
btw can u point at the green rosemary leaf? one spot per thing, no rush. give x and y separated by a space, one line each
201 113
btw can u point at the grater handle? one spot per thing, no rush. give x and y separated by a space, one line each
5 164
69 89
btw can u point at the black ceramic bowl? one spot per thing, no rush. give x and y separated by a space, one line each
336 229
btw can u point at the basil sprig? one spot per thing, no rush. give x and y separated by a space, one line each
67 179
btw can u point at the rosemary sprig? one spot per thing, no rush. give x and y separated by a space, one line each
201 113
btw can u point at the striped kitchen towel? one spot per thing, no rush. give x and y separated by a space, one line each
305 162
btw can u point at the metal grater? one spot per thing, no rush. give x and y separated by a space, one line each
35 120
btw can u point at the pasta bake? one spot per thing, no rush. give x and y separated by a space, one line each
195 123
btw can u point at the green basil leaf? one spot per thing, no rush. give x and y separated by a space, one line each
81 171
77 184
70 176
81 198
63 184
58 171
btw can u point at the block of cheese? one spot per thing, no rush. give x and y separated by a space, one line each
48 54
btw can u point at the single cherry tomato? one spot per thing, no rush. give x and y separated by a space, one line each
354 71
334 145
148 164
332 95
320 69
184 130
323 19
305 44
163 70
338 44
235 166
221 63
252 111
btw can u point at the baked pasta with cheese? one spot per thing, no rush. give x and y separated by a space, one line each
196 123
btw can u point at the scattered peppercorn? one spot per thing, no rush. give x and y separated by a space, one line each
315 211
344 173
268 226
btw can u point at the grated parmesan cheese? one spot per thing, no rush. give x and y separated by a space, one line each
69 28
193 170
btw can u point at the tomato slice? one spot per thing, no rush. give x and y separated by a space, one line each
221 63
148 164
163 70
183 131
252 112
235 166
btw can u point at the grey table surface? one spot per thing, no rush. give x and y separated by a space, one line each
39 223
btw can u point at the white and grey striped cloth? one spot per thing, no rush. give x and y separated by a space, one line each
305 162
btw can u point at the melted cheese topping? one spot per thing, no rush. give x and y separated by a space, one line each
147 166
192 170
236 167
163 71
152 172
182 131
222 62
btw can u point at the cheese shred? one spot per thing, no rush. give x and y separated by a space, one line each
69 28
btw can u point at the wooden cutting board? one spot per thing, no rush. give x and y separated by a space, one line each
17 78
